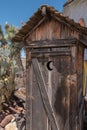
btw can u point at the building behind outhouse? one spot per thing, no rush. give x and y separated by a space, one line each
54 62
76 10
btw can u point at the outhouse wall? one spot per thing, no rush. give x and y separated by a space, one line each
66 79
52 29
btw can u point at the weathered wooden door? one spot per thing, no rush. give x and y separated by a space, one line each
49 91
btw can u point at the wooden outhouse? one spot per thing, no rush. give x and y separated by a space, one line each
54 65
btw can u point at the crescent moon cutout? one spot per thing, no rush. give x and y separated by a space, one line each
49 66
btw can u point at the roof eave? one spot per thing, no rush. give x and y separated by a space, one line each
45 11
67 3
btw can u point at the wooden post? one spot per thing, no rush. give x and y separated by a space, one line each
73 91
28 93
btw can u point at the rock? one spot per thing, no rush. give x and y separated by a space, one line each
6 120
21 93
1 128
11 126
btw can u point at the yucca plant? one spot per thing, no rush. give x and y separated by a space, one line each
8 62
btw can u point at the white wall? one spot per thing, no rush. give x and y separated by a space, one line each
76 10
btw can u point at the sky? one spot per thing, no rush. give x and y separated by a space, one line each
17 11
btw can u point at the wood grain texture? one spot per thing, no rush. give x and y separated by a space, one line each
44 95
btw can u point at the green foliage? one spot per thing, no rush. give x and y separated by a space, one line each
8 63
2 39
10 31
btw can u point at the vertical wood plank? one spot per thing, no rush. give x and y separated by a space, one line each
42 88
61 87
28 93
39 117
49 91
73 90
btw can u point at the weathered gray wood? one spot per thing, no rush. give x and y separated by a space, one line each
68 24
49 54
52 52
28 95
73 91
44 95
39 117
52 43
28 102
35 27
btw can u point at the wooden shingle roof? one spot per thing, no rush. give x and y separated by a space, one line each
39 15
